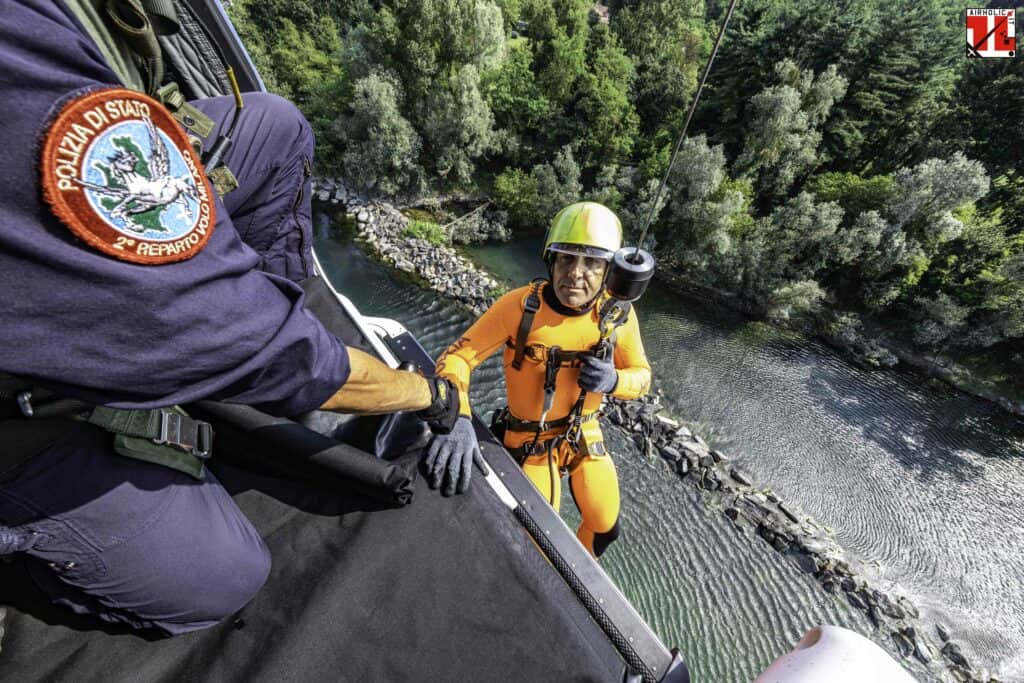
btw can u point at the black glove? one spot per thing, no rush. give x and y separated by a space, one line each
443 410
450 458
597 375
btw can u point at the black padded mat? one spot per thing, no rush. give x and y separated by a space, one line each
444 589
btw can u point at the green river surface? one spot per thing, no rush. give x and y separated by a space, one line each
921 484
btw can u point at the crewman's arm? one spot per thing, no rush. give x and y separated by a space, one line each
116 332
476 344
372 387
631 362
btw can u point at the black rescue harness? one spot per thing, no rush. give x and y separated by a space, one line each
612 315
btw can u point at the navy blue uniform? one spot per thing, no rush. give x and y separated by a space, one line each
103 534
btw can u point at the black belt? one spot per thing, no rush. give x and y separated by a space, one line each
517 425
541 353
528 449
32 419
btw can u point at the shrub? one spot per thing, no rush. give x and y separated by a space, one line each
425 230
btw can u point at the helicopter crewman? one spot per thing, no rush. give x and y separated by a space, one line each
567 343
128 284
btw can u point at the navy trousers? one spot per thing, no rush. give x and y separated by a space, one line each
271 157
137 543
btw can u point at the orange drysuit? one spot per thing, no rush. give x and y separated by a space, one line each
592 478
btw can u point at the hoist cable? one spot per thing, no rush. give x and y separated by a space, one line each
682 135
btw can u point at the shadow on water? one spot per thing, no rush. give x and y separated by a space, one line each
946 433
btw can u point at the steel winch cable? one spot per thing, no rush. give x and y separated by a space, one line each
682 134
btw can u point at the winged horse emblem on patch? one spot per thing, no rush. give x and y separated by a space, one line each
136 190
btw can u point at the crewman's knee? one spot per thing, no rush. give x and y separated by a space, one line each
174 577
219 579
281 125
237 577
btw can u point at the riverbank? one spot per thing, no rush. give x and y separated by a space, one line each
876 349
757 511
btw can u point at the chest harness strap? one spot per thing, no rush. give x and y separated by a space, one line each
612 315
530 308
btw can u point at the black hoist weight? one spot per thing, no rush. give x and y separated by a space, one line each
629 273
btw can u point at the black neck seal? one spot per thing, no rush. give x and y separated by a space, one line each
551 299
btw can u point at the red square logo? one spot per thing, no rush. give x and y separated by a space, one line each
991 33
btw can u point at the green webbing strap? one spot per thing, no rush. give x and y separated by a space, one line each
139 423
163 15
129 17
32 418
530 309
186 114
163 436
92 15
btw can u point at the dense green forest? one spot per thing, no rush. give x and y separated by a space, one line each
848 164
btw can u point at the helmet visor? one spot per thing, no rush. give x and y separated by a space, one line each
584 249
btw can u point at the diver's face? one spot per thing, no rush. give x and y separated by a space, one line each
577 278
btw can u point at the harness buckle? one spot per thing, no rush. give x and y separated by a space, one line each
532 303
24 400
185 434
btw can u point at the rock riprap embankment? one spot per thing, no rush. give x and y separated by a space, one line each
382 227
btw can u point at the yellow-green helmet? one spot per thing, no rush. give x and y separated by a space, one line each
584 228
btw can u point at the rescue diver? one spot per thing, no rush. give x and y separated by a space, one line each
557 370
112 298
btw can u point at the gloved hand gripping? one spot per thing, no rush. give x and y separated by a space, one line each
450 458
598 375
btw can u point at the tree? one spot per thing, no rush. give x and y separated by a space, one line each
604 121
558 38
924 197
514 96
668 42
990 94
302 64
903 75
794 299
849 244
895 56
702 207
558 184
854 193
782 139
294 47
533 199
981 271
515 193
459 127
383 146
939 320
803 235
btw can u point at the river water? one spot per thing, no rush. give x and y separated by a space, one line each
921 485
